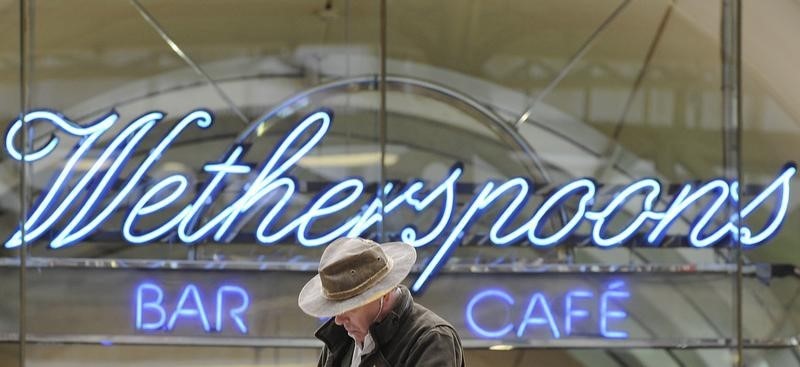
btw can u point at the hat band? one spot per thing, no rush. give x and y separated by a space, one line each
352 292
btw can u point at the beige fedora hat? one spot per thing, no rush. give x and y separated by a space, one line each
354 272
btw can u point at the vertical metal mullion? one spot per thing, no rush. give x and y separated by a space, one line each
382 117
24 37
732 140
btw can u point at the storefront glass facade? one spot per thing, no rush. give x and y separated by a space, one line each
588 183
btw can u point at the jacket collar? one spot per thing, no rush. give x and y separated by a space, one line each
383 331
335 337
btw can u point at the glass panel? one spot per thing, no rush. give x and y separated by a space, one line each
771 357
602 357
705 357
172 58
117 355
117 173
515 113
167 356
770 129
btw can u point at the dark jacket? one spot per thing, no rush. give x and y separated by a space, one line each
410 335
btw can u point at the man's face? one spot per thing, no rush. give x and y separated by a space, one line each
358 320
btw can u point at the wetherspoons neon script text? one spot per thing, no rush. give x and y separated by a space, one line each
271 179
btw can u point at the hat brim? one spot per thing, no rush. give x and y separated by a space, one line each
312 299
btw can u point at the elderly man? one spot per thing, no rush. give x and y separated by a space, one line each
375 320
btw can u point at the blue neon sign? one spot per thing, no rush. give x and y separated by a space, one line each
577 313
272 178
151 312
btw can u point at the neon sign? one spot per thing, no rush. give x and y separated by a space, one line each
150 313
579 312
272 178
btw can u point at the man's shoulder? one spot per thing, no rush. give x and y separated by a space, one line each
426 320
